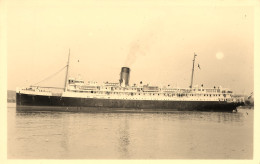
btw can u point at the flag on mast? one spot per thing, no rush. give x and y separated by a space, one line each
199 66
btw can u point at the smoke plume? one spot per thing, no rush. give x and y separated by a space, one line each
142 45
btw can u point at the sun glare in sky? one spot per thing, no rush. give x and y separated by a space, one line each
219 55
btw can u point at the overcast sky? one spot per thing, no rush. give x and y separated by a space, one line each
156 40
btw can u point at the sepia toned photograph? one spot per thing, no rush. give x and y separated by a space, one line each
122 79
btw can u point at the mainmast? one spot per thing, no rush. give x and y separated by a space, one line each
67 72
192 70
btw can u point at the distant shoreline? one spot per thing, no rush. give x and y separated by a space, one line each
246 107
11 100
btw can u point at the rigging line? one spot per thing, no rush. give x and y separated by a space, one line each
51 75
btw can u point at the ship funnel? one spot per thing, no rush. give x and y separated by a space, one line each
124 76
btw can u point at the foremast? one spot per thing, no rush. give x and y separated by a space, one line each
67 72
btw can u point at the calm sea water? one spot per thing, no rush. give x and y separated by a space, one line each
176 135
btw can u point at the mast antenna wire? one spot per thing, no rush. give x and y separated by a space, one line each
51 75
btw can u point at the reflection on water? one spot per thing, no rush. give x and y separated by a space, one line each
176 135
124 140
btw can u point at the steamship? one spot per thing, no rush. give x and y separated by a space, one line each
78 95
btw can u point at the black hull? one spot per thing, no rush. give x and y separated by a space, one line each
57 103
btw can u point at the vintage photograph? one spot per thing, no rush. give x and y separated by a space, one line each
122 79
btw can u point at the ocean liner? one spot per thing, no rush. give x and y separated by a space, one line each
91 96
